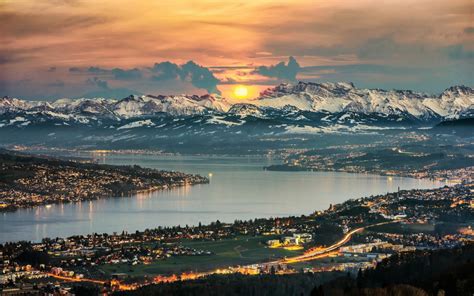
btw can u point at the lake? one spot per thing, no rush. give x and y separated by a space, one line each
239 189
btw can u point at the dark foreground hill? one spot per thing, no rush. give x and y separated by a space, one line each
442 272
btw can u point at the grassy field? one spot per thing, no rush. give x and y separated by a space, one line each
438 228
404 228
229 252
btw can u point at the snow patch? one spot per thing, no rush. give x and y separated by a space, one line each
135 124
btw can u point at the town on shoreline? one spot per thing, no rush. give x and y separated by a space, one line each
377 227
29 181
414 161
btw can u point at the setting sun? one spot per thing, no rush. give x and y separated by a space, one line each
241 92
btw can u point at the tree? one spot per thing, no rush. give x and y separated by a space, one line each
34 258
84 290
272 270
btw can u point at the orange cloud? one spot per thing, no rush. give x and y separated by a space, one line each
129 34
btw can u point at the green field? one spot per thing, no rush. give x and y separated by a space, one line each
404 228
438 228
229 252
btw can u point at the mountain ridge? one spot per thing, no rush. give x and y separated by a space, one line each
303 107
305 96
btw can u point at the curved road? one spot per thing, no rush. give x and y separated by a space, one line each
316 253
311 254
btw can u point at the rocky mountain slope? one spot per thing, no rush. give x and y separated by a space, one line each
302 108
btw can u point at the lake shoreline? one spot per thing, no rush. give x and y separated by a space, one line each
240 189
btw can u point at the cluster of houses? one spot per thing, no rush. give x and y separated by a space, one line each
295 240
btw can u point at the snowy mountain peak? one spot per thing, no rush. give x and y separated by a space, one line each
244 109
282 100
345 97
311 88
458 90
131 106
174 105
8 103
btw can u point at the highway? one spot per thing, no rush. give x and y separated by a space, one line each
310 254
121 286
317 253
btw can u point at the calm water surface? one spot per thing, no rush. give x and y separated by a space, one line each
239 189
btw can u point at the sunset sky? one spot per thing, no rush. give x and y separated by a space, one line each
72 48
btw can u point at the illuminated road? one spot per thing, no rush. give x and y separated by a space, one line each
94 281
310 254
71 279
317 253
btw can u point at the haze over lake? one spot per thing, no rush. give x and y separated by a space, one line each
239 189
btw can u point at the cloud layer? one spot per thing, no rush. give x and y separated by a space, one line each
51 47
281 70
199 76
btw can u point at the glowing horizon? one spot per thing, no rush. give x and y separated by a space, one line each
56 48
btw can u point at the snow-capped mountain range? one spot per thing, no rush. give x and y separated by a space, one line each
132 106
345 97
303 105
